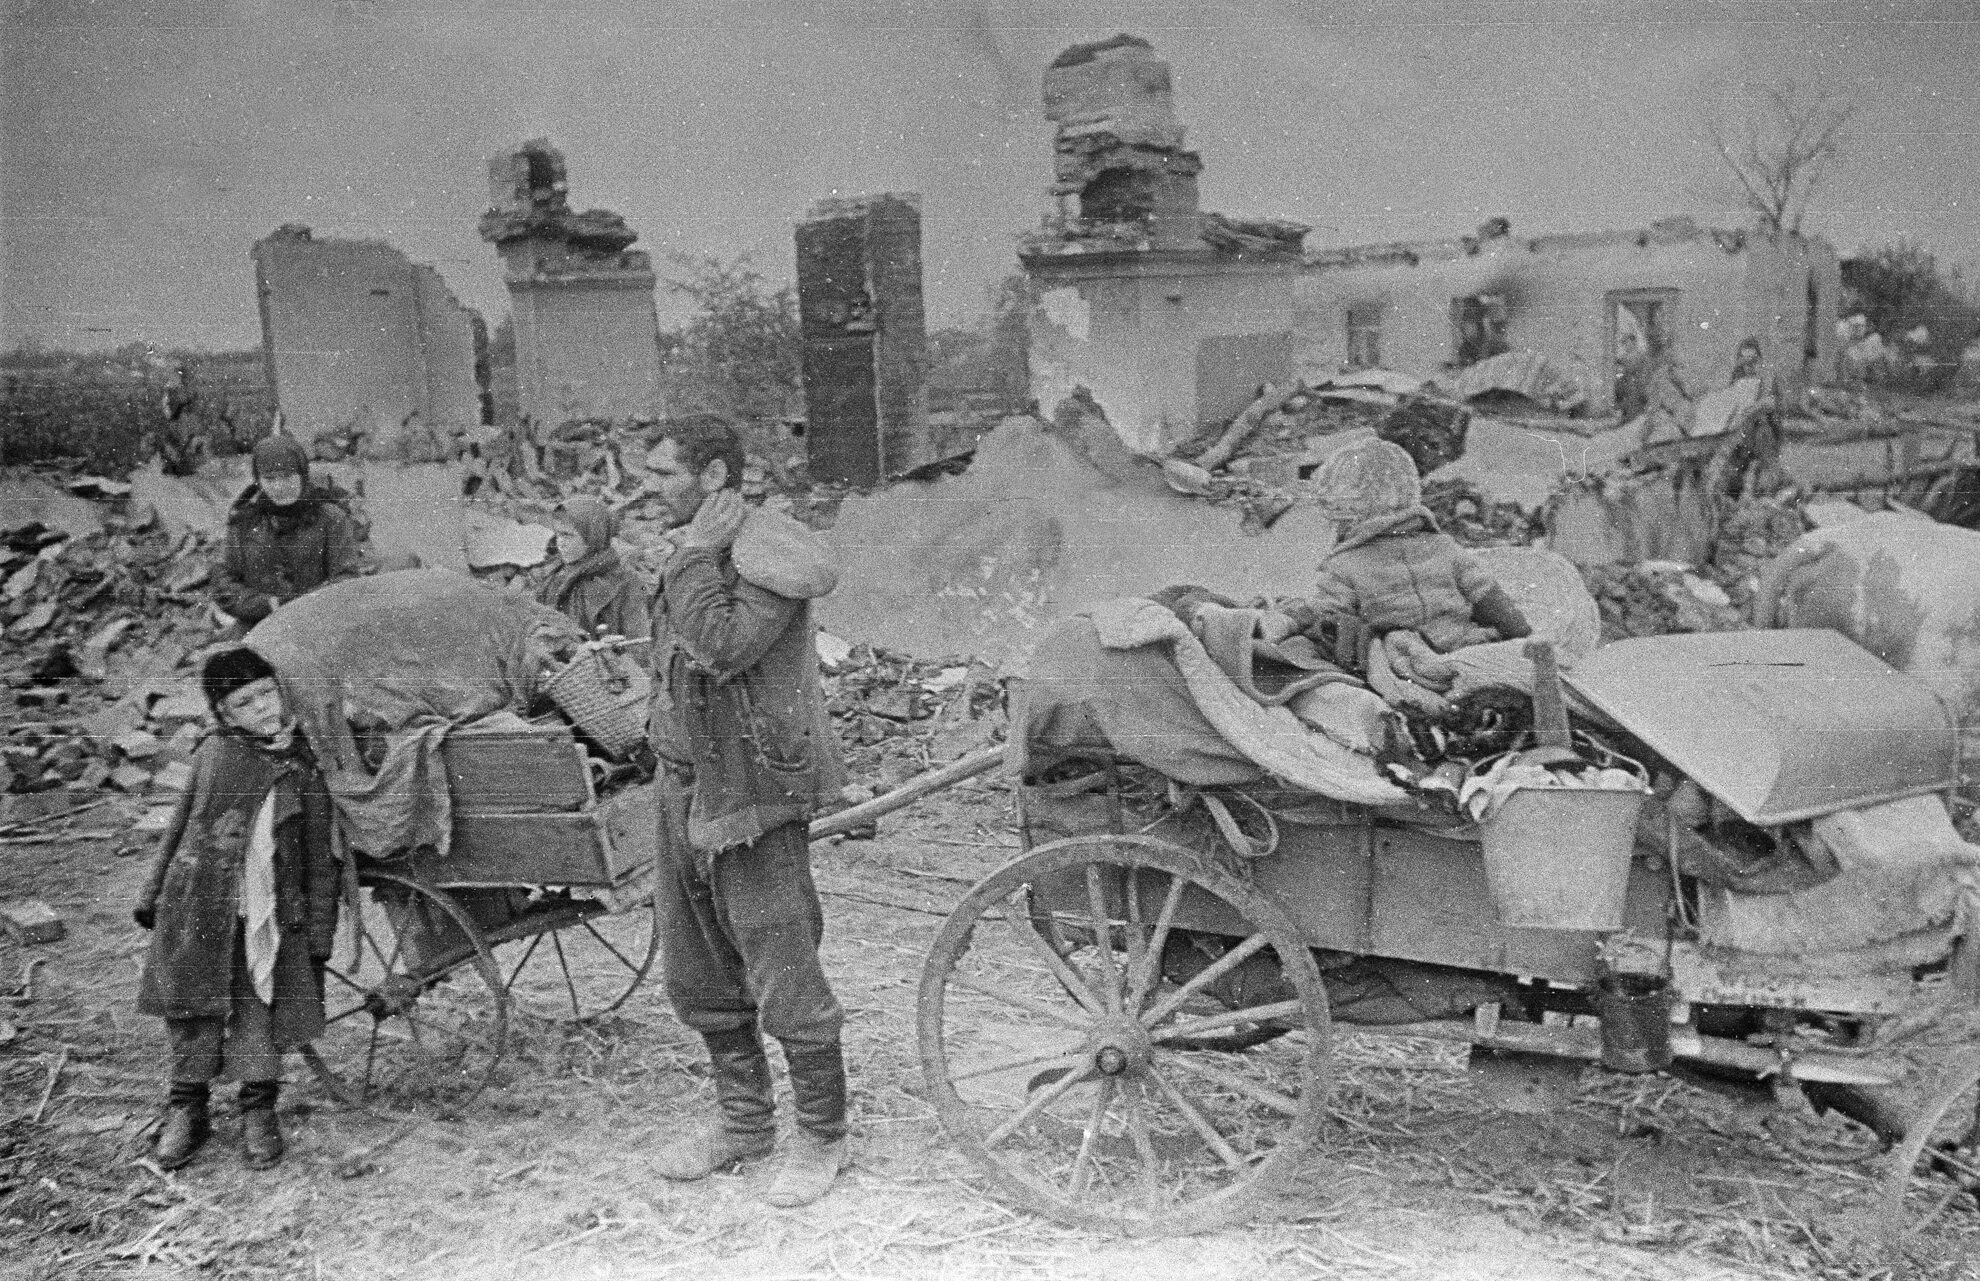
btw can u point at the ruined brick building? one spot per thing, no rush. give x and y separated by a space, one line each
1170 317
357 335
587 335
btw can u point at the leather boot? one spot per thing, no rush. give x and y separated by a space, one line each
261 1136
819 1150
745 1124
186 1124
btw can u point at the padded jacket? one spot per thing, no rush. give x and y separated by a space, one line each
1397 572
282 552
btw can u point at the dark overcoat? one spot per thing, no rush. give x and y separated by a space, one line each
282 551
194 887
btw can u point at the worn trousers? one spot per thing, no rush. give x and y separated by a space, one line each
240 1045
740 934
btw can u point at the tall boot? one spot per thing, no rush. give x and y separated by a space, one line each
186 1123
819 1150
745 1124
261 1136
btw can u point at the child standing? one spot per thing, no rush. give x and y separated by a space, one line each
241 902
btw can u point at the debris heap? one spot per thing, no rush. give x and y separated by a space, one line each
98 628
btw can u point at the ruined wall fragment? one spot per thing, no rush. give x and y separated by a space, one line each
1119 168
865 341
586 331
1182 312
358 335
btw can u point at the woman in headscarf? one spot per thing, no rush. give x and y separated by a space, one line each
285 536
591 586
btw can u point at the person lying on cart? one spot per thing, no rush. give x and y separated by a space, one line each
747 757
241 902
1394 578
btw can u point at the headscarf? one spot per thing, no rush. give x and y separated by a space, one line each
596 524
279 454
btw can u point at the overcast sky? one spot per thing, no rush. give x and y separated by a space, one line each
148 143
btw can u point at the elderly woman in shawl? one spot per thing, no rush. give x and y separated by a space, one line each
590 586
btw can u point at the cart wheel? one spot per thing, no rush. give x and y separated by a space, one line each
1943 1121
570 960
413 1003
1061 1069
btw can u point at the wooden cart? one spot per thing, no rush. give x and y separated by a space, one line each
542 907
1130 1031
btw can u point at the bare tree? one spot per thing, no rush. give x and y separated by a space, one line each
1782 148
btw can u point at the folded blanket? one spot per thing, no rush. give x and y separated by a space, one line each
1272 737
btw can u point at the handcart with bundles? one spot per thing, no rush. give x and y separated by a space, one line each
482 758
1730 853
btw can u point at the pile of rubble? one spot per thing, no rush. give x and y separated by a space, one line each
1258 461
897 716
1475 519
514 481
97 625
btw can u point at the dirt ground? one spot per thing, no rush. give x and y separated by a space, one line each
545 1174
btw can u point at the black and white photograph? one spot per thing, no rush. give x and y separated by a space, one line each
865 640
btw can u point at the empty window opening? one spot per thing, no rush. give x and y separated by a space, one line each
1811 332
1118 195
1641 339
542 171
1480 322
1364 337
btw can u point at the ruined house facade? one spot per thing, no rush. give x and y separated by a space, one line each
586 331
357 335
1170 317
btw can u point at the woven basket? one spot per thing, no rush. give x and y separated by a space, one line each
607 707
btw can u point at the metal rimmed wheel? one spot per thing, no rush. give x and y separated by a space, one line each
1061 1069
413 1003
569 959
1942 1135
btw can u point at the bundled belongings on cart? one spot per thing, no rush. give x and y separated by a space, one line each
1724 855
473 811
416 682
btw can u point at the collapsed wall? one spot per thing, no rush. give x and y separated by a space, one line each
587 334
357 335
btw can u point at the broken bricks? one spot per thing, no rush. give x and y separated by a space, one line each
31 921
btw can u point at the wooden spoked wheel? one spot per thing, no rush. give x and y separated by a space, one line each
1942 1137
1054 1051
414 1005
568 960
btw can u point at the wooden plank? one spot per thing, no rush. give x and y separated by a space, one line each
516 771
1430 903
1706 976
521 849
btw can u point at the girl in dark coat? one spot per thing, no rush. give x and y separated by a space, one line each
241 902
285 537
591 586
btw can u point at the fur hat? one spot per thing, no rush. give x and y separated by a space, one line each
230 670
280 453
1367 479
